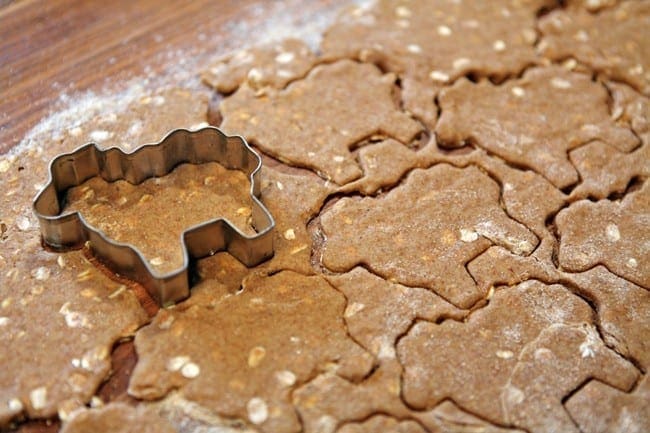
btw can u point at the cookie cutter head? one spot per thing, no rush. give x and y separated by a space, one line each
69 230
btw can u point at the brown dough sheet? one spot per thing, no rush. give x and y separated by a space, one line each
63 302
144 119
431 44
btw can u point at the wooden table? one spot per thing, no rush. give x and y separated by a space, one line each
52 47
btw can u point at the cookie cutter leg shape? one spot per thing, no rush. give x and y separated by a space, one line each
62 230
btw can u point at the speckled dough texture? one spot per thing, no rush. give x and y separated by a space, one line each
613 41
533 121
513 360
613 233
423 232
274 64
439 41
242 356
460 190
117 418
148 215
315 122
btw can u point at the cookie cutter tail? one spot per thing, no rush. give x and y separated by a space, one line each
69 230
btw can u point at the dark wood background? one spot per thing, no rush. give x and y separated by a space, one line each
52 47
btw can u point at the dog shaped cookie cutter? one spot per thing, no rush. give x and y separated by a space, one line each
69 230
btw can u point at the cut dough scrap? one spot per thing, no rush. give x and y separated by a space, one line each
531 343
191 417
447 417
605 171
497 266
382 423
623 309
324 402
600 408
533 121
386 162
418 98
527 196
613 42
613 233
621 305
315 122
591 5
243 354
367 319
457 209
439 42
293 199
631 109
560 359
274 64
117 418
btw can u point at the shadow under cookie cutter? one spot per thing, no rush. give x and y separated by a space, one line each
70 230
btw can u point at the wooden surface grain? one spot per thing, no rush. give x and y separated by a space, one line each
48 48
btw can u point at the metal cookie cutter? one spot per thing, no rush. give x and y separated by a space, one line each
70 230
